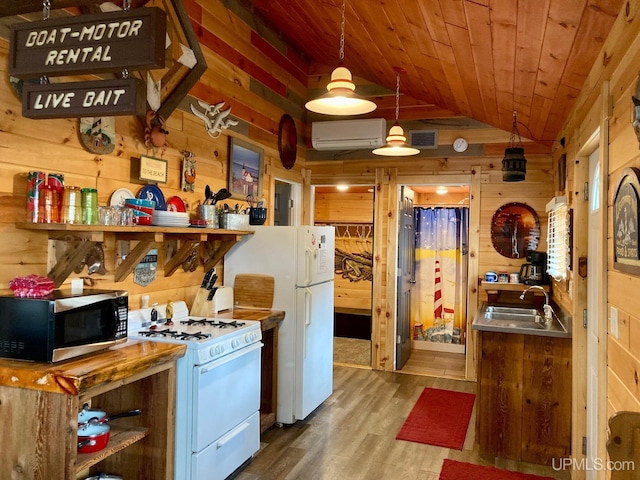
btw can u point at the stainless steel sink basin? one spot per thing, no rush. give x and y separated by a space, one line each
512 310
523 320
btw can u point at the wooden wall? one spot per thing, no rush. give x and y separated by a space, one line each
491 193
258 95
605 103
352 214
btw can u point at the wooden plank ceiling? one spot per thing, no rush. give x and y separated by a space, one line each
482 59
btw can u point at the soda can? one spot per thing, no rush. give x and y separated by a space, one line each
35 180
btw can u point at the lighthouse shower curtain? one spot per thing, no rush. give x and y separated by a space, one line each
438 310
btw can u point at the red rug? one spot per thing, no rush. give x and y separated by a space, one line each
453 470
439 417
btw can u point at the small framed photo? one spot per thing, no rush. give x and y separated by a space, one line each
246 167
153 169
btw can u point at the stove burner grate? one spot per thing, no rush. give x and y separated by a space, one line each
192 336
159 333
213 323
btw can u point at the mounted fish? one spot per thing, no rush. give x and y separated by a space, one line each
214 118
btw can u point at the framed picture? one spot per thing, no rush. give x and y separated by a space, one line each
246 167
625 222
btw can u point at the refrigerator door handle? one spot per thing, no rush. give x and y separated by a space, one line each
307 318
308 259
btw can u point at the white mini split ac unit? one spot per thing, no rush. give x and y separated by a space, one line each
348 134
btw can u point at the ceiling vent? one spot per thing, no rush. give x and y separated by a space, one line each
423 139
348 134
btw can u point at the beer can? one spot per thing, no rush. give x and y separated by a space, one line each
35 180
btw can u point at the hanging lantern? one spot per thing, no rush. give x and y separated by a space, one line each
514 165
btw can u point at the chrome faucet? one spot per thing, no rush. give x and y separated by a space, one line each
546 308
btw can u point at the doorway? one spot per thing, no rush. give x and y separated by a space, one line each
438 306
350 211
287 195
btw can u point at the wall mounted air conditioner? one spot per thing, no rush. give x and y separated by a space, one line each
348 134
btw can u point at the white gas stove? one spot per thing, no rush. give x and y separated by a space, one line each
217 388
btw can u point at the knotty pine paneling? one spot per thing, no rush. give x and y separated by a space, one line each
54 146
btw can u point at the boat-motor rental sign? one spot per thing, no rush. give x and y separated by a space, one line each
86 44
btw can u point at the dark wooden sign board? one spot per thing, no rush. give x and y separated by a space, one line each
81 99
626 237
106 42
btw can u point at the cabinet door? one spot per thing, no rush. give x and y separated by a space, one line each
500 395
546 410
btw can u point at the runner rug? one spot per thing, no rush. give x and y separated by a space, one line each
453 470
439 417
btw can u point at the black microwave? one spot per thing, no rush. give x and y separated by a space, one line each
62 325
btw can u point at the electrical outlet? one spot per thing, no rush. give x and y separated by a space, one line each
613 319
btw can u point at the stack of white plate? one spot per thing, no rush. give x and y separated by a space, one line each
164 218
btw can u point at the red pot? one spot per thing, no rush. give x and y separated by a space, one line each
94 439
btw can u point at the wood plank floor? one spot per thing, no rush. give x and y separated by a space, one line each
351 436
437 364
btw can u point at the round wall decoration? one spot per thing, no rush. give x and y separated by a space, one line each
515 230
287 141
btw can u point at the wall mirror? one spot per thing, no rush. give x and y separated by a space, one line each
515 230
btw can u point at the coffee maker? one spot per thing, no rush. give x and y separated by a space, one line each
535 271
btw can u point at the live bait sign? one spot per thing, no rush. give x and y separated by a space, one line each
107 42
82 99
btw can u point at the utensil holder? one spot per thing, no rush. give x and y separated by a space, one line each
257 216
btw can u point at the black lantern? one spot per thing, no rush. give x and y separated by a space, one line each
514 165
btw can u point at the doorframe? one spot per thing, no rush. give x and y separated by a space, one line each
473 180
295 213
599 138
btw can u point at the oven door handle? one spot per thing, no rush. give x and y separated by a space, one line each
231 435
230 357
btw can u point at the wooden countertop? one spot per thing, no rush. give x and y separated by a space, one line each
268 318
72 377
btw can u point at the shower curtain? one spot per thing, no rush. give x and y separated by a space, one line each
439 300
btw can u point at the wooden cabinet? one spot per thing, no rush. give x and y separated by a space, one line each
178 243
39 405
524 397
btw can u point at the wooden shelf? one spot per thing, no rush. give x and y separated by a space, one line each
511 287
213 243
136 374
119 439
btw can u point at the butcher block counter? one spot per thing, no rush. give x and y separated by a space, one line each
269 321
39 405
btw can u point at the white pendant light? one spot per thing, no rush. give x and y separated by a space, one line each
341 98
396 145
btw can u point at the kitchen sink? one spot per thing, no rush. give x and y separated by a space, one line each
524 320
512 310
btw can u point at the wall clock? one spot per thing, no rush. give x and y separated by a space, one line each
460 145
287 141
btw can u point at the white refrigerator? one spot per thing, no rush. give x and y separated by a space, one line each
301 260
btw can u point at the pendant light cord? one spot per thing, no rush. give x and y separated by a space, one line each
342 32
397 96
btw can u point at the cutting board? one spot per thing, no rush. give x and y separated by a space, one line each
253 290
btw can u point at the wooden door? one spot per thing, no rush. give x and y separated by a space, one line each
406 280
